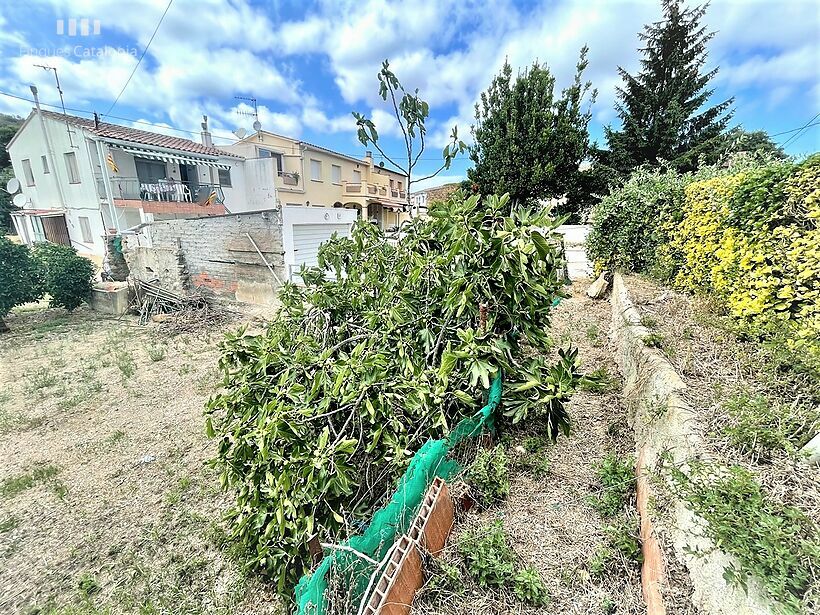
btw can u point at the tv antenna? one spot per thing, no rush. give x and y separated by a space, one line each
62 102
257 125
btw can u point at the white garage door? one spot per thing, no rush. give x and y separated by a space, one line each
308 237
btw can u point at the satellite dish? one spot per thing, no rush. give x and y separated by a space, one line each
240 133
20 200
381 165
257 125
13 185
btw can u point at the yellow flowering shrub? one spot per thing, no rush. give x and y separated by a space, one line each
700 233
766 271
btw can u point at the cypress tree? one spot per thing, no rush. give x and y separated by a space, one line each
662 107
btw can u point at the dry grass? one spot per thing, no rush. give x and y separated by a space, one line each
719 369
549 520
130 522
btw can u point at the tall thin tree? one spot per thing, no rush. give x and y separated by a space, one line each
662 108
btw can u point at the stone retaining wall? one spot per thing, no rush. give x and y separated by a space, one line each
664 422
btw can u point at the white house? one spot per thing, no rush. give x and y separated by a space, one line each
82 179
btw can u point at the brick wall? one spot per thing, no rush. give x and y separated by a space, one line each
219 256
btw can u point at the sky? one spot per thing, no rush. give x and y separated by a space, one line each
310 64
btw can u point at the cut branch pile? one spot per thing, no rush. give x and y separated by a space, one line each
176 313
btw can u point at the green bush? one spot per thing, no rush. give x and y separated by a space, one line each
632 223
530 587
319 416
20 278
489 475
68 277
489 558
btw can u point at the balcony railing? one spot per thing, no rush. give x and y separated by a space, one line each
373 189
165 191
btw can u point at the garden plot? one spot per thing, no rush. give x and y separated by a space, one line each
569 515
106 504
756 406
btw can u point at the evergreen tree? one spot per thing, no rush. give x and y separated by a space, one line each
528 141
662 107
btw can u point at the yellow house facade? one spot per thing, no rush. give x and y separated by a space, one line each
313 176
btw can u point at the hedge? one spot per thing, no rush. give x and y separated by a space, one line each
749 237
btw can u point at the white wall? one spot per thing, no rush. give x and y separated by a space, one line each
80 199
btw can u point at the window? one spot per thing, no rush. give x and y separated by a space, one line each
71 168
85 229
28 173
225 177
336 174
280 160
44 160
316 170
357 177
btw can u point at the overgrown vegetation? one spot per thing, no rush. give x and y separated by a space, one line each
746 234
617 477
489 475
492 563
385 346
20 279
774 542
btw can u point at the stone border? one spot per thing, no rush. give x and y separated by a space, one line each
664 423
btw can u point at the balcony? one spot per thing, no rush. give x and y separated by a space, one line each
372 190
166 191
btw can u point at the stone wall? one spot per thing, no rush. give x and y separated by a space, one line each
214 253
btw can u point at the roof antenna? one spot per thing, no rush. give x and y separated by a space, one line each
96 121
257 125
62 102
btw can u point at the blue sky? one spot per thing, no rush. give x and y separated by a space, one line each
310 64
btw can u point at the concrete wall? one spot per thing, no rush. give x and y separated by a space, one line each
216 253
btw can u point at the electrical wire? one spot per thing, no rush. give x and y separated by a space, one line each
144 51
799 132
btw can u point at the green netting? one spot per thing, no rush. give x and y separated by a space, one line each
395 518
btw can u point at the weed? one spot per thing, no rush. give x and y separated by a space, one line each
487 555
599 381
774 542
43 378
618 479
623 538
530 587
594 336
653 340
156 352
186 368
8 524
125 363
443 579
59 489
174 496
535 444
489 475
649 322
88 586
759 427
599 561
15 485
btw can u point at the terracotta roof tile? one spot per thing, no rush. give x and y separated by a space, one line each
142 137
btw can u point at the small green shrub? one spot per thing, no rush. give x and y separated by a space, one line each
759 427
530 587
623 538
599 561
653 340
489 558
599 381
444 579
88 585
489 475
68 277
617 477
20 278
773 542
156 352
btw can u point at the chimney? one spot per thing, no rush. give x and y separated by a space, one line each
206 136
368 157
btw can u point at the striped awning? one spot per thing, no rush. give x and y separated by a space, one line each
182 158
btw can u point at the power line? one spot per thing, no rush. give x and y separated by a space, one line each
800 131
144 51
786 132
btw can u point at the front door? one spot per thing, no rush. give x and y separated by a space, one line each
189 176
149 171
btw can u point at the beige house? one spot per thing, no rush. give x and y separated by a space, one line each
309 175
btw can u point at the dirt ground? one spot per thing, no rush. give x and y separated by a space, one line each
549 520
106 502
